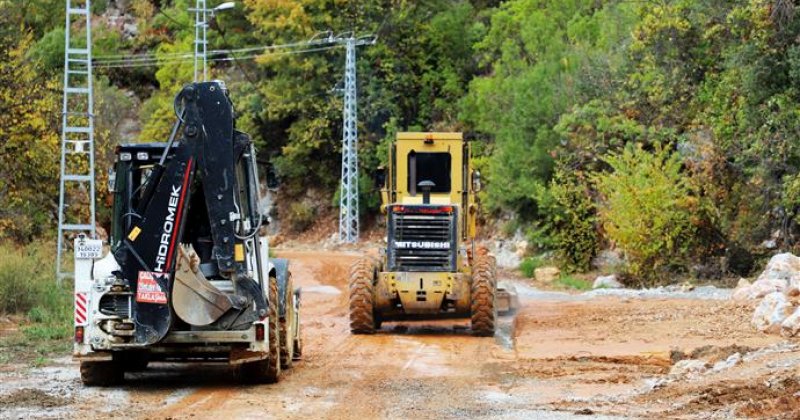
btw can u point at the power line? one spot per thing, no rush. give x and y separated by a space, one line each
189 57
114 58
236 62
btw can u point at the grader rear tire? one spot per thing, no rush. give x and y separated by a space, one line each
362 312
269 369
287 326
482 297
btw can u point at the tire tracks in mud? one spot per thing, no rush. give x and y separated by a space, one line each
318 349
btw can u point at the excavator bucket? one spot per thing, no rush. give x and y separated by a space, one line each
194 299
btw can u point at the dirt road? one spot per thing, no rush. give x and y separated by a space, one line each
604 357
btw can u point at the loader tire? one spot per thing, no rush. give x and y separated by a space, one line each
298 333
362 312
287 326
482 305
268 370
101 373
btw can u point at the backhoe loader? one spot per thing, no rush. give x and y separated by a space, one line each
186 276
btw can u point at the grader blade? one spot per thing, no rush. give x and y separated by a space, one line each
506 299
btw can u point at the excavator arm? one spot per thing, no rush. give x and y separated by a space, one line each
195 193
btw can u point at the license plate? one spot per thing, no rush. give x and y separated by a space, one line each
89 249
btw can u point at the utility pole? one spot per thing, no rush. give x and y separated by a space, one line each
348 196
201 14
200 38
77 132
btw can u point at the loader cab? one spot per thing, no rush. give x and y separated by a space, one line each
132 166
135 162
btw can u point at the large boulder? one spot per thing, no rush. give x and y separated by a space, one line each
546 274
608 260
607 282
781 274
791 325
761 288
784 267
509 252
688 367
771 313
742 290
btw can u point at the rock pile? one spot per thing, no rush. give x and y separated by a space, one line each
779 288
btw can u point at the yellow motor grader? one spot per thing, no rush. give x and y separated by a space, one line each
430 268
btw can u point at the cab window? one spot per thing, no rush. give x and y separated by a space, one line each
433 167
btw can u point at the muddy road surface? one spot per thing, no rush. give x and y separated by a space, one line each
561 356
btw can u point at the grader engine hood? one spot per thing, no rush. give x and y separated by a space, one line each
422 238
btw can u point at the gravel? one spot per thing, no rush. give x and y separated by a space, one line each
665 292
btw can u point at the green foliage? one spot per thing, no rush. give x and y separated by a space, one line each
27 286
37 16
575 283
545 56
368 195
568 219
49 50
22 278
529 265
649 209
301 216
412 78
548 89
28 140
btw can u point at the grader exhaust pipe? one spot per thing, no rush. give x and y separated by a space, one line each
426 187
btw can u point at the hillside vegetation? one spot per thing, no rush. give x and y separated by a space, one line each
664 128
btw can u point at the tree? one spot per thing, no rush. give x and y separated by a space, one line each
540 57
28 139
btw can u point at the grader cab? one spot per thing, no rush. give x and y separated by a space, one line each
430 268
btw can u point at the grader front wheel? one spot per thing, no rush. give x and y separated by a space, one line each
482 298
362 314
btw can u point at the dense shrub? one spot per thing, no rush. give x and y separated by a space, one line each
568 220
301 216
529 265
648 209
28 287
27 278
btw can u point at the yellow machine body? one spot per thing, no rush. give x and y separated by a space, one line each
405 289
